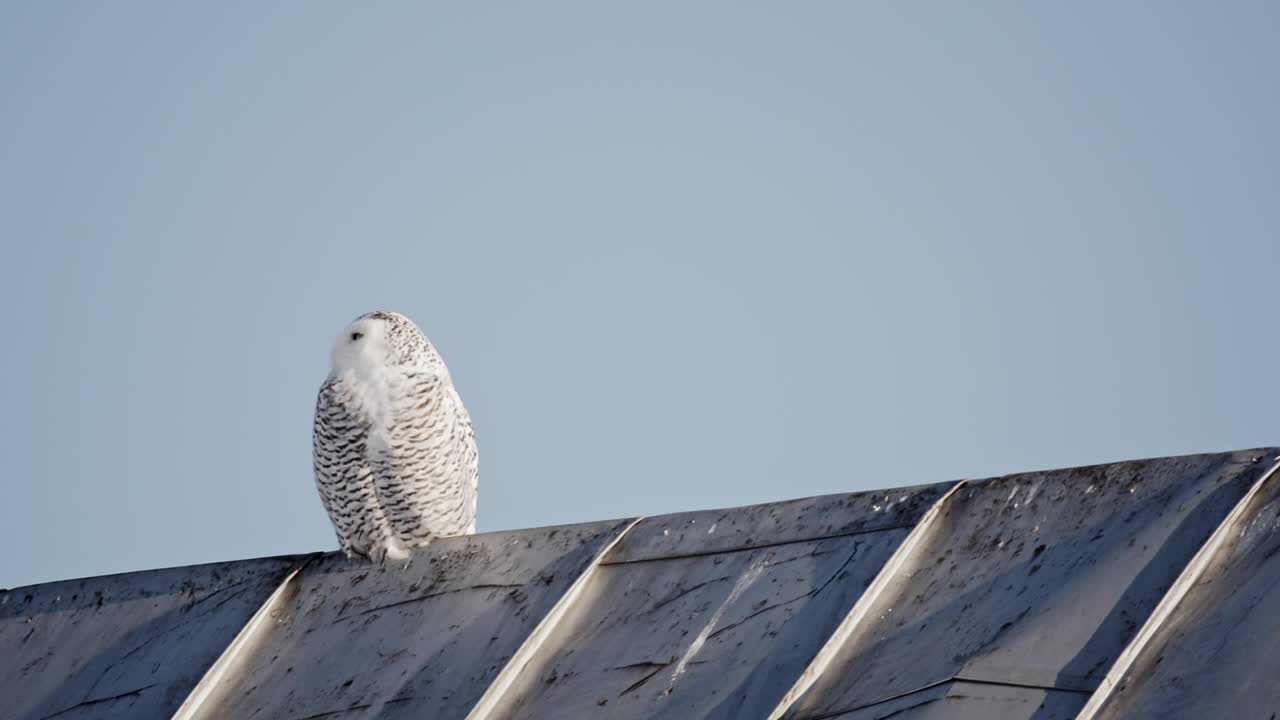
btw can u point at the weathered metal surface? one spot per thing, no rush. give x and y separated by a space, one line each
1035 580
1011 599
959 700
1217 654
709 531
123 646
357 640
669 631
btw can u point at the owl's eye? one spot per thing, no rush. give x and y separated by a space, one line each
356 336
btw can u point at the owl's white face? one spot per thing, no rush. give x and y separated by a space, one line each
361 348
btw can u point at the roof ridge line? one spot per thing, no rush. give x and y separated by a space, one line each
762 546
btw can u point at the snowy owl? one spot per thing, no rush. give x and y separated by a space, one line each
395 456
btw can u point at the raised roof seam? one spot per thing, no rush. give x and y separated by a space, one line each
1187 579
243 643
906 551
497 690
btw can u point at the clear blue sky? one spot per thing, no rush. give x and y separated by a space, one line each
678 255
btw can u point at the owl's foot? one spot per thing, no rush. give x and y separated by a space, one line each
394 553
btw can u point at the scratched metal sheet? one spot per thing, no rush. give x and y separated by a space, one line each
713 633
354 640
706 531
124 646
1037 579
961 700
1217 655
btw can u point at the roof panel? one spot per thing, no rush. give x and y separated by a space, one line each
1037 579
1217 655
421 641
124 646
719 634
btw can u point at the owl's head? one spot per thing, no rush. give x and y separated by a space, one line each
381 339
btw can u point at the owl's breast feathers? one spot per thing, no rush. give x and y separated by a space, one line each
425 464
396 462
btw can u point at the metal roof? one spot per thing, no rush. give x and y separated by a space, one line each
1136 589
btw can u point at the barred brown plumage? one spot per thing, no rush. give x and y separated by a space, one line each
394 451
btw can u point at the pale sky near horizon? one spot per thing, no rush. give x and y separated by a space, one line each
677 255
